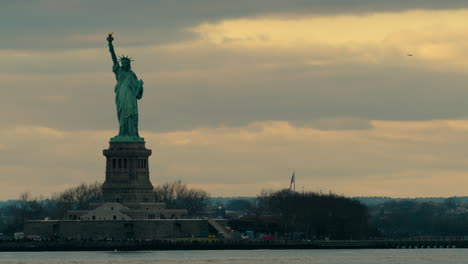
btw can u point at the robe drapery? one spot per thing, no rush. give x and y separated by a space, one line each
127 90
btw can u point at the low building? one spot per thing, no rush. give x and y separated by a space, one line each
118 211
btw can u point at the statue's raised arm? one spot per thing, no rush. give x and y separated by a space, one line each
111 48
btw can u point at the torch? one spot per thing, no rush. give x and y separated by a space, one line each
110 38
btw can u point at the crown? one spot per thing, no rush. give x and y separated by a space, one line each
123 57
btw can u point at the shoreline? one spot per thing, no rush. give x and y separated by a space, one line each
222 244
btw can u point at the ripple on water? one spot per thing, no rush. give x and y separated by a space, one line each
363 256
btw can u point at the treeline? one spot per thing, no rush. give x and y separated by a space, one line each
305 215
176 195
282 213
401 219
28 207
372 201
311 215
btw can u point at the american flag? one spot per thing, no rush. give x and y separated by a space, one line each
293 180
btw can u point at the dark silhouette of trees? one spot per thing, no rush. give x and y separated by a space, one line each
240 205
77 198
289 214
407 218
315 215
39 208
26 208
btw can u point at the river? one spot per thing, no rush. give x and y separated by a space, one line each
361 256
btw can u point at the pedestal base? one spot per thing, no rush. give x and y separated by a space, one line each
127 173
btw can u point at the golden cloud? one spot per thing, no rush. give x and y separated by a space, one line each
439 38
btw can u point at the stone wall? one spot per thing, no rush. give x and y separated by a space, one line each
119 229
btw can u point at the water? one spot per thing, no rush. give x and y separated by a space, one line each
363 256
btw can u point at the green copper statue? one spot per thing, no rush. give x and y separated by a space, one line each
127 91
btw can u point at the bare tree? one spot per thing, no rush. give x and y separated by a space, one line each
77 198
178 196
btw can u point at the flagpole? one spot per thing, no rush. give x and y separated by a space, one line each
294 180
292 184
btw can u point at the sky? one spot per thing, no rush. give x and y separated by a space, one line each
240 94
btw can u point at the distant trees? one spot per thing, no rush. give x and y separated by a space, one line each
311 215
407 218
177 195
77 198
240 205
315 215
287 213
336 217
28 207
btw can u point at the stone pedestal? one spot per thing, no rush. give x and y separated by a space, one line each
127 173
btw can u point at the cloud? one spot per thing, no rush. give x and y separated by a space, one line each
433 37
437 39
58 25
338 123
303 68
390 158
241 93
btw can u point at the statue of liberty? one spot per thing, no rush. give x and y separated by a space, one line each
127 91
